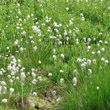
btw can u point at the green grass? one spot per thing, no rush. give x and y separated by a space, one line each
77 30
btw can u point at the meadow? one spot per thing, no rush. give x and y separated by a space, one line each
54 54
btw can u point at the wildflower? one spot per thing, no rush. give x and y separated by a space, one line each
32 41
81 14
58 99
11 81
67 38
75 71
83 65
98 44
9 76
34 93
106 42
84 59
94 39
18 5
1 73
33 74
19 11
39 62
62 55
50 74
28 16
61 71
28 73
89 47
36 29
23 75
90 71
79 60
93 52
65 33
24 33
20 19
4 100
97 87
35 48
16 42
83 19
17 77
33 69
21 49
106 61
94 61
52 37
54 50
22 69
103 49
89 61
74 81
5 89
40 78
98 52
103 59
34 81
60 42
3 83
100 33
54 92
61 80
11 90
54 56
100 41
67 8
7 48
19 60
70 23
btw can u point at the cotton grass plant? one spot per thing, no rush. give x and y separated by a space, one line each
54 54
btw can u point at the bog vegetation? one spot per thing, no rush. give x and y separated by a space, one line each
54 54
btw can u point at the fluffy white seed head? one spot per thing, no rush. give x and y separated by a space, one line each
4 100
97 87
74 81
23 75
49 74
61 80
62 55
